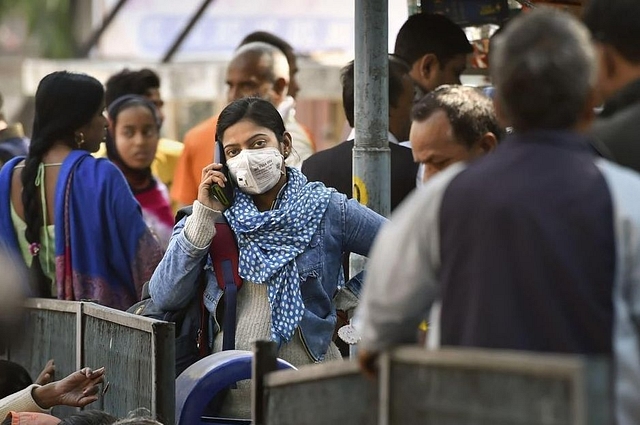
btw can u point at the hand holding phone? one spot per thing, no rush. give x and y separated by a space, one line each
224 195
223 192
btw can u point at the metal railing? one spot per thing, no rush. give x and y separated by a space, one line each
450 386
138 353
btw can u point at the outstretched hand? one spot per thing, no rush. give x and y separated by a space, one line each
48 373
76 390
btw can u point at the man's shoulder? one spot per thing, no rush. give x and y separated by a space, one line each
618 175
624 186
330 155
294 126
401 154
204 132
615 136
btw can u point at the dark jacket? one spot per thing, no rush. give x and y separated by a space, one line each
12 143
616 132
334 168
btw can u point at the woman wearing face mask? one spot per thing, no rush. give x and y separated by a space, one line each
132 140
291 236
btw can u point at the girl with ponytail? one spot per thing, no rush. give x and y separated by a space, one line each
72 217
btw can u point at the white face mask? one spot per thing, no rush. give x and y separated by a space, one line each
255 171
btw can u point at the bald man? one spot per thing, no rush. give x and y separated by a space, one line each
256 69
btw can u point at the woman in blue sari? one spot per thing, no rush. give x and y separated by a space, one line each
71 217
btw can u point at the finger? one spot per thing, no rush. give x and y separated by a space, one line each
212 166
87 400
91 374
216 173
91 390
96 373
217 178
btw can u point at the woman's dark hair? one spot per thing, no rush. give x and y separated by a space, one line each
254 109
113 110
137 178
64 102
13 378
89 417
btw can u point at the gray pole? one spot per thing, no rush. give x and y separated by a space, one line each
371 155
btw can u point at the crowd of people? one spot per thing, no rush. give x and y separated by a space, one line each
521 239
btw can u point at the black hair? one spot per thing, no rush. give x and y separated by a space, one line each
259 111
469 111
617 23
113 110
139 416
13 378
130 82
397 70
432 33
64 102
89 417
274 40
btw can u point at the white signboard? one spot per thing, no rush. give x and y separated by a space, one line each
145 29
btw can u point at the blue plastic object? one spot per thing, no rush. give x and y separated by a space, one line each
200 382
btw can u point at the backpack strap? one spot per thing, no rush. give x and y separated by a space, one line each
202 334
224 255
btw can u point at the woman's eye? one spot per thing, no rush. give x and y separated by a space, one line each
260 143
230 153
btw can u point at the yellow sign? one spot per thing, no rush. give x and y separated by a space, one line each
360 191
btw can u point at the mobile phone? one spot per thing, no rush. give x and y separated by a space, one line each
223 194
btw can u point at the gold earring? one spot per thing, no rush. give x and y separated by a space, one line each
81 141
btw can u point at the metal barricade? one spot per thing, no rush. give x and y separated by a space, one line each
138 353
450 386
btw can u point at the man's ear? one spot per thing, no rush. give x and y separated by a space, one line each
280 86
487 143
608 61
429 66
500 115
588 114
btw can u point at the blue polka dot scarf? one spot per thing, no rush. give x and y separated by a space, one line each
270 241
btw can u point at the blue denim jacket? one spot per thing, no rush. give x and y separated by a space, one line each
347 226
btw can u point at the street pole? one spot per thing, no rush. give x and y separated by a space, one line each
371 154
